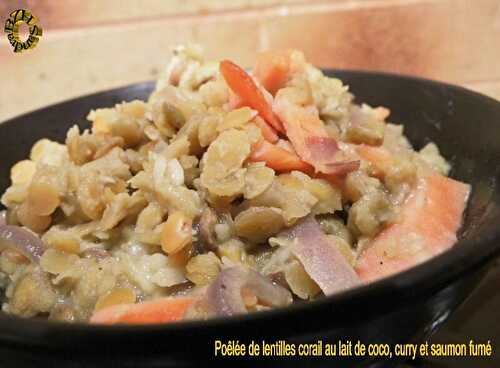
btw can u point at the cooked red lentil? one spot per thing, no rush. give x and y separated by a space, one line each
226 192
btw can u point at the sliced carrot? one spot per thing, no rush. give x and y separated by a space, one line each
274 68
285 160
428 226
267 131
249 93
302 125
278 158
158 311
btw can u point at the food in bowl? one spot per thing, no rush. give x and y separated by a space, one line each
227 192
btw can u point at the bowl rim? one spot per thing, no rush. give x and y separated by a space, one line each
465 256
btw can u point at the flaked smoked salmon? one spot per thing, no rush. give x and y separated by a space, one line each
430 219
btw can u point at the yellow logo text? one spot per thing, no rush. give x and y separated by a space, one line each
16 18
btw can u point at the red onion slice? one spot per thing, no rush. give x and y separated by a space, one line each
342 168
22 240
321 259
323 150
224 294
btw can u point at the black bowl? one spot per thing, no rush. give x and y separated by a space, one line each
406 307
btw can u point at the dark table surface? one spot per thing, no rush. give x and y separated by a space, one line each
478 318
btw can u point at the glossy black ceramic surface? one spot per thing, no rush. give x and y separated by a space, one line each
406 307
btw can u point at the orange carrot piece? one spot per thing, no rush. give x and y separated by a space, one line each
246 89
307 133
283 160
158 311
430 219
278 158
267 131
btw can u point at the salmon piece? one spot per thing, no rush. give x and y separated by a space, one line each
284 160
158 311
312 145
430 219
380 158
309 137
273 69
306 132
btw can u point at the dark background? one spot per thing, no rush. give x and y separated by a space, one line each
478 318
